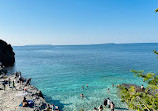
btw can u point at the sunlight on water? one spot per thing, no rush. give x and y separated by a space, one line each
60 71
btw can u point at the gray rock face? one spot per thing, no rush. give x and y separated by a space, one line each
7 56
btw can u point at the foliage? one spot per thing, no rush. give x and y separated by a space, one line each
150 78
138 100
155 52
142 100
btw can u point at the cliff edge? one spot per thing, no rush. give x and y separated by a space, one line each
7 56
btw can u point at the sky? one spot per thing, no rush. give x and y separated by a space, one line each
68 22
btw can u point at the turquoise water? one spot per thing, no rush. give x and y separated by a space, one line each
60 71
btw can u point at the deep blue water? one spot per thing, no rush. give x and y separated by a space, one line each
60 71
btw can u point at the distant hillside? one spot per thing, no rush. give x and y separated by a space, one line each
6 54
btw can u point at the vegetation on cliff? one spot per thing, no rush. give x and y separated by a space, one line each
146 100
6 54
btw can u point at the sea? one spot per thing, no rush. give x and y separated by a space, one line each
61 71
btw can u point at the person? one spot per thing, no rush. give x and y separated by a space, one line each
16 74
82 96
13 85
100 108
108 102
112 106
9 81
112 85
108 90
118 85
142 88
25 90
28 81
82 87
24 103
41 95
19 73
53 107
105 102
48 108
87 84
95 109
20 79
4 85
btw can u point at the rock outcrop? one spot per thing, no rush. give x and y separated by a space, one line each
10 99
7 56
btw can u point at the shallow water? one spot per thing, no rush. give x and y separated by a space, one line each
60 71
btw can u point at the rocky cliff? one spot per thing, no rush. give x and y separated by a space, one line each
6 54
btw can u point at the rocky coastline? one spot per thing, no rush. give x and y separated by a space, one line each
14 88
7 55
11 98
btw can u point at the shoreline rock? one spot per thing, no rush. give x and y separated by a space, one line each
137 88
7 56
11 98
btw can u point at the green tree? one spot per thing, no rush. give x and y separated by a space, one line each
142 100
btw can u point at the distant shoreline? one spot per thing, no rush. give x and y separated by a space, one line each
83 44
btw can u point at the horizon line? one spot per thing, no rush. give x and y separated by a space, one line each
85 44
